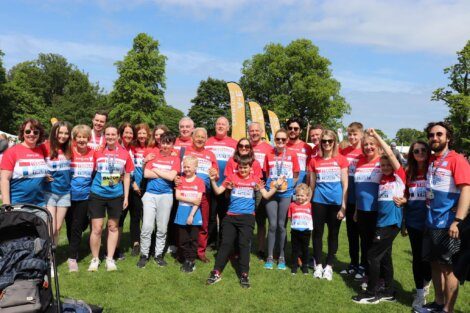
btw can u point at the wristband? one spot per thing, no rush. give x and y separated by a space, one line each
458 220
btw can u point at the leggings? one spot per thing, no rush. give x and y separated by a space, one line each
325 214
366 221
353 237
421 269
78 216
276 209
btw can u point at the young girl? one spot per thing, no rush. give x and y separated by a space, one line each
240 221
188 215
300 213
389 218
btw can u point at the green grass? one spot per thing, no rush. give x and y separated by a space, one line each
168 290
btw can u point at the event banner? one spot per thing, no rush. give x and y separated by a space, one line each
274 121
257 116
237 105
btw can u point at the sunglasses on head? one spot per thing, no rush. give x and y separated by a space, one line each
418 150
438 134
293 128
281 139
29 131
240 146
329 141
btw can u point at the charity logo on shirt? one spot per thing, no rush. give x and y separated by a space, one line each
417 190
301 216
368 174
222 153
31 168
59 164
82 166
328 173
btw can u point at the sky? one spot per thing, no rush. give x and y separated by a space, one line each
388 56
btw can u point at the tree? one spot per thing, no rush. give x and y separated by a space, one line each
457 98
169 116
139 91
294 81
212 100
405 136
5 111
50 87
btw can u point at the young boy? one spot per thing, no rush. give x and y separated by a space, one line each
300 213
389 218
240 220
188 215
352 153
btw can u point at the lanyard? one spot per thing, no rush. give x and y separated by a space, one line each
111 161
279 167
93 137
435 168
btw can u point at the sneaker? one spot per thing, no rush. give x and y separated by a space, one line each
160 261
318 273
364 282
119 255
94 264
304 270
214 277
269 264
419 300
387 297
261 256
360 273
142 261
430 307
366 297
281 264
328 273
135 250
73 265
244 280
293 271
351 270
111 265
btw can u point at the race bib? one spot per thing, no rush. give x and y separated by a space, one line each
110 180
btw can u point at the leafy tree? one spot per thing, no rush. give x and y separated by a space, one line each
212 100
139 91
457 98
405 136
294 80
169 116
5 111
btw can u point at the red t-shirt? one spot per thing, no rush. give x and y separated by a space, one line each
232 168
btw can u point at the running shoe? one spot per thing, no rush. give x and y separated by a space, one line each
387 296
119 255
366 297
160 261
281 264
360 273
351 270
244 280
94 264
214 277
328 273
269 264
142 261
430 307
73 265
318 273
293 270
261 256
419 300
135 250
110 265
304 270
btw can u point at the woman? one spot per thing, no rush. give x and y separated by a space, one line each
109 195
57 189
243 148
24 167
279 162
415 216
156 133
366 183
137 190
329 182
81 171
158 199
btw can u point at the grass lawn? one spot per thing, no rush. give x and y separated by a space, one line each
167 289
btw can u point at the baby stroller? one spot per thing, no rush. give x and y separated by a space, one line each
26 255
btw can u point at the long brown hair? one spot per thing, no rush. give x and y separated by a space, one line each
237 155
54 141
153 143
412 170
121 130
145 127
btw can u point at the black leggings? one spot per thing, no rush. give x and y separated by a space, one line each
353 237
135 211
325 214
299 241
366 221
421 269
78 222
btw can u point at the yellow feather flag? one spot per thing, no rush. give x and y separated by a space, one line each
53 121
237 105
274 121
257 116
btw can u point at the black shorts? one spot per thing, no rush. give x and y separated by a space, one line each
439 246
99 206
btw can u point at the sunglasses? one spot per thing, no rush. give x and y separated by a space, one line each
281 139
29 131
438 134
244 146
417 150
329 141
294 128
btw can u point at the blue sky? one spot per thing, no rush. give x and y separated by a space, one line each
388 55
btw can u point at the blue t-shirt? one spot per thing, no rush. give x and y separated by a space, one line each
415 209
388 213
328 187
366 180
242 195
168 163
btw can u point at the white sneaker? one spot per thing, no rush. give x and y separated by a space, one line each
110 265
328 273
318 273
94 264
419 299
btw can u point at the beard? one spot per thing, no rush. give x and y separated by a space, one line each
293 137
438 146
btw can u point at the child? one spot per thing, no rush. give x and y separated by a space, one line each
300 213
389 218
188 215
240 220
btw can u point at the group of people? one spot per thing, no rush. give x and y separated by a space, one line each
197 192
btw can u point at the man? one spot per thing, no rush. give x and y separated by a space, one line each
299 147
186 128
206 162
223 148
97 137
260 149
448 200
314 135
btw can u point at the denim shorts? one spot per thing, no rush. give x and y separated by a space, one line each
53 199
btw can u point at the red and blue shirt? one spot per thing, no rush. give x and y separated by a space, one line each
352 155
366 183
81 169
301 216
223 150
29 168
303 152
415 209
242 195
206 160
139 156
443 178
232 168
261 150
186 143
328 186
189 190
168 163
281 164
59 169
388 213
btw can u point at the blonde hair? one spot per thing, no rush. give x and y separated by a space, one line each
305 188
332 134
367 137
190 159
81 129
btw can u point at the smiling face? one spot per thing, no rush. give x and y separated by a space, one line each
244 147
244 170
199 139
189 167
186 128
294 131
386 166
327 143
62 134
221 127
166 147
31 135
354 138
370 147
111 136
420 153
301 196
314 135
255 132
157 134
142 136
81 139
438 140
280 140
127 136
98 122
